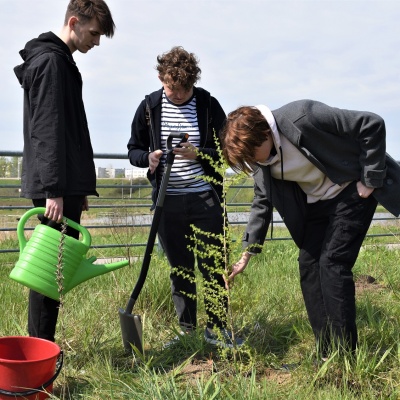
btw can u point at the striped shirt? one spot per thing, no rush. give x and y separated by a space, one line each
185 174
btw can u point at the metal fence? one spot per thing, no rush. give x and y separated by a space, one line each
107 211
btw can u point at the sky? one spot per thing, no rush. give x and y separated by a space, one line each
344 53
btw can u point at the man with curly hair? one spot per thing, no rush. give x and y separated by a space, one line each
190 200
58 171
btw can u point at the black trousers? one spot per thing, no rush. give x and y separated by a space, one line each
43 311
334 232
175 232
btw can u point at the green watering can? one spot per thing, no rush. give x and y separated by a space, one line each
37 264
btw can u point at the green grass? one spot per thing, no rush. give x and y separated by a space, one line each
268 310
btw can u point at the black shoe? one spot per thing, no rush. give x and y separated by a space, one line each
290 367
222 338
318 363
175 340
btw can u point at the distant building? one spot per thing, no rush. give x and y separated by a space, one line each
135 172
110 172
101 172
131 173
115 172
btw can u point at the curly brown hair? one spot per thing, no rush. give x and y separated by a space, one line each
245 129
88 9
178 67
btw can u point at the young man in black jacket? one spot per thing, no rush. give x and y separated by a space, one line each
189 200
58 171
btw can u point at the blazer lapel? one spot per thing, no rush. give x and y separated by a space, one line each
291 132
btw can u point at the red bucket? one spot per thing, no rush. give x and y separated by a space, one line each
28 367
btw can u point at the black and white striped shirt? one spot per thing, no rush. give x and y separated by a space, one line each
185 174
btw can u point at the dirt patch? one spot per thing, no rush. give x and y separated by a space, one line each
279 377
198 369
367 283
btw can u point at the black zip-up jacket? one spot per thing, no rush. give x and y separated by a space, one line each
58 155
146 135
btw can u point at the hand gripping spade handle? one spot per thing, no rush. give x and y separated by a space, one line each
131 325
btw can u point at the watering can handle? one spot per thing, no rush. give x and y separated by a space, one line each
86 238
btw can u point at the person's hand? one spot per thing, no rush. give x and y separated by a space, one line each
54 209
237 269
187 151
364 191
85 205
154 160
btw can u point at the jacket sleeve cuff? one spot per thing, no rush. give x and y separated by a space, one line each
374 178
251 246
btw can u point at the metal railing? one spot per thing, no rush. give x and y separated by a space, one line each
144 219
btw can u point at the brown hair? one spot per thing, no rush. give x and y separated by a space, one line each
244 129
85 10
178 67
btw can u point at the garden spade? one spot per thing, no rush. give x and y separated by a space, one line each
131 324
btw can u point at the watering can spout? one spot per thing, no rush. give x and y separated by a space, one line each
88 270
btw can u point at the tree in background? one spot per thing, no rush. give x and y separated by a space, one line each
10 167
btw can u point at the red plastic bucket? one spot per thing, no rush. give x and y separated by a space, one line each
28 367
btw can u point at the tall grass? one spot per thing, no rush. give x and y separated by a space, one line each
268 311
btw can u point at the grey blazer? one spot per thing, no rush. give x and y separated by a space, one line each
346 145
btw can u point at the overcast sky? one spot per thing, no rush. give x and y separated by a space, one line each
342 52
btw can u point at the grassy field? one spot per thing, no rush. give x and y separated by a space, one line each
267 310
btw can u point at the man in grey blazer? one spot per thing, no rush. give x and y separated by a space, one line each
324 169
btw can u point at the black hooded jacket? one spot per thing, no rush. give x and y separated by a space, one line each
58 155
146 135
